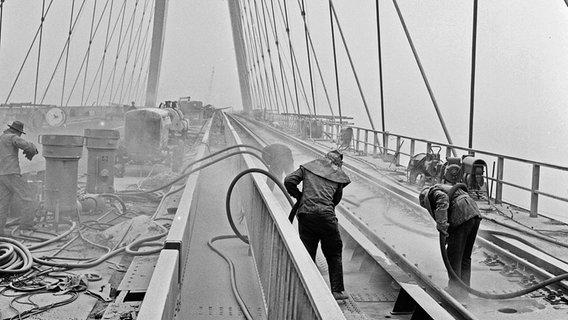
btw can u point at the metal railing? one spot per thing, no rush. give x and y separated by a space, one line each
379 144
292 285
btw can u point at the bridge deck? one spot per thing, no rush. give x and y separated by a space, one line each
206 289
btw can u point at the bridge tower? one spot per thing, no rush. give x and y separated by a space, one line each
158 33
239 43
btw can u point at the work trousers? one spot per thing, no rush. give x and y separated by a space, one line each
14 187
460 247
314 228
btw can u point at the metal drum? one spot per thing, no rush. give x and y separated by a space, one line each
101 152
62 154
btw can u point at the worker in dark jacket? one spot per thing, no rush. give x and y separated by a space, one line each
458 219
11 182
323 181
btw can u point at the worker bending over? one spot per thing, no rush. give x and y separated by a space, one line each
458 219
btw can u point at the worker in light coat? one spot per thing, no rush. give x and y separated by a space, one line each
322 181
12 185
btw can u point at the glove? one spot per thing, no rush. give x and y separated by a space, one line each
443 228
29 156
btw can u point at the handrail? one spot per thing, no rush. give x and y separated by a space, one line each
364 138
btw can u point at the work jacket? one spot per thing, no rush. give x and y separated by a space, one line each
322 187
10 143
454 211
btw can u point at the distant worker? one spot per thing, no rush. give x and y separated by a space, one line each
132 106
279 159
323 181
458 219
11 182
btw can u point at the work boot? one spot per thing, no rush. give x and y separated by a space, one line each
340 295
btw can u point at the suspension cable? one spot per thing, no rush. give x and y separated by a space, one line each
275 31
139 56
259 31
270 58
335 64
303 13
68 47
39 48
1 15
423 73
27 54
63 51
381 96
86 56
290 48
352 65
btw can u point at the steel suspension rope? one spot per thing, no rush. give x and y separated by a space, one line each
316 60
275 31
258 55
248 55
472 85
39 49
144 62
335 64
253 54
303 13
107 43
423 73
1 18
67 43
260 37
270 58
352 65
140 46
128 51
379 52
28 53
287 22
297 68
116 56
89 47
87 54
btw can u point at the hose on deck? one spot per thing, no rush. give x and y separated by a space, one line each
486 295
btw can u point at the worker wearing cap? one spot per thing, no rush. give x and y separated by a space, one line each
323 181
11 182
458 219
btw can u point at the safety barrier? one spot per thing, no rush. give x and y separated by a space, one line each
292 285
378 144
163 291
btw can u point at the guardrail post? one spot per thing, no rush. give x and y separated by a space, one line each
366 142
375 143
358 139
534 190
499 186
337 129
448 152
385 143
428 147
397 152
412 147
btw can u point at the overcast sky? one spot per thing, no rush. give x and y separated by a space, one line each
521 82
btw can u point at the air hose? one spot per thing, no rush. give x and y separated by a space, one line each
197 169
486 295
14 257
230 191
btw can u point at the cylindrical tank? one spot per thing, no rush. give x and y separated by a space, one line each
101 152
146 133
62 154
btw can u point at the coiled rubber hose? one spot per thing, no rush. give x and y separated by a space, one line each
485 294
14 257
